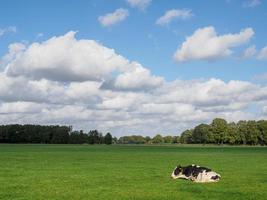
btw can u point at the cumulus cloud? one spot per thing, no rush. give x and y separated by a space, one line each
135 78
212 92
262 54
14 50
264 110
14 89
140 4
20 107
63 58
249 52
10 29
170 15
205 44
111 19
80 82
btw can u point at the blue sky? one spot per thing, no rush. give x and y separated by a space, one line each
137 37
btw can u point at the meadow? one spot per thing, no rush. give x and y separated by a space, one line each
74 172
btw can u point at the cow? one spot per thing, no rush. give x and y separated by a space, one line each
196 174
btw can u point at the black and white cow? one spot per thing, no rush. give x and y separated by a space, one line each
195 173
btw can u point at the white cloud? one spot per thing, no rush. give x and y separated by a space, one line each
10 29
14 50
14 89
249 52
170 15
117 16
209 93
140 4
205 44
264 110
135 78
114 94
63 58
252 3
262 54
20 107
67 59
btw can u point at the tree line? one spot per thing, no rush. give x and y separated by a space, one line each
139 139
218 132
16 133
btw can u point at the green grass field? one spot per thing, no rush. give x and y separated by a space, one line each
70 172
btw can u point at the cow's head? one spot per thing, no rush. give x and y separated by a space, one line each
177 172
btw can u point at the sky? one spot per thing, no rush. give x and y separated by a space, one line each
132 66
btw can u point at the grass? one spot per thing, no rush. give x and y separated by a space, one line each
70 172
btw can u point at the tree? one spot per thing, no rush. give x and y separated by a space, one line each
114 140
219 130
262 127
133 139
60 135
186 137
95 137
108 139
148 139
157 139
232 136
176 139
168 139
74 138
242 131
253 133
78 137
201 134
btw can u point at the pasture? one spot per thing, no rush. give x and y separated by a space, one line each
74 172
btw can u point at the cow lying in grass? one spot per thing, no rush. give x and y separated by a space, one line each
195 173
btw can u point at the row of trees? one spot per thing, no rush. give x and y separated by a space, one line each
220 132
158 139
50 135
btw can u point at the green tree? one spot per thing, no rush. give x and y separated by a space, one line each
262 127
219 130
157 139
201 134
148 139
242 131
133 139
114 140
108 139
95 137
168 139
60 135
186 137
253 133
176 139
232 136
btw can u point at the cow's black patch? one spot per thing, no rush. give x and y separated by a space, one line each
198 170
193 170
187 171
178 170
215 177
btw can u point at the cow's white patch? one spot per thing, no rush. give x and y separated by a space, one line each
206 177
